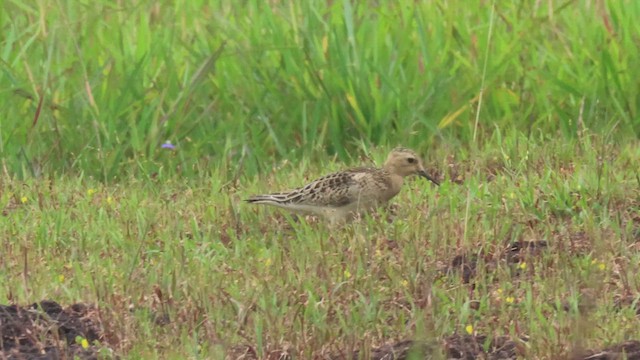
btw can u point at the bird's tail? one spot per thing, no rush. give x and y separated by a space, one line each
270 199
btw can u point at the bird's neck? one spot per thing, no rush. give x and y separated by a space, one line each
396 183
388 167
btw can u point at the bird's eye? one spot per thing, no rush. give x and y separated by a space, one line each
411 160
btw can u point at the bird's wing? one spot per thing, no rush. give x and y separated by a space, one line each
337 189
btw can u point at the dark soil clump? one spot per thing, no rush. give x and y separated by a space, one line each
472 347
514 253
629 350
452 347
45 330
519 250
465 265
455 346
396 351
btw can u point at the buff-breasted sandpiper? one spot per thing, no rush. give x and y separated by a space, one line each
339 196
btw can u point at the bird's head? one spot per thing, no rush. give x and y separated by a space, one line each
405 162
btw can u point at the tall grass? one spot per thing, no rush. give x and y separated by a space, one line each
98 88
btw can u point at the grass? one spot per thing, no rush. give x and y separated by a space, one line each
528 110
226 273
288 79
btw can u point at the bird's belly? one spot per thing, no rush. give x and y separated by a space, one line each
359 206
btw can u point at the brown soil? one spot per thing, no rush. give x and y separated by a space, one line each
470 347
47 331
516 252
629 350
452 347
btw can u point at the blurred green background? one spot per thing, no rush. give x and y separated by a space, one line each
98 87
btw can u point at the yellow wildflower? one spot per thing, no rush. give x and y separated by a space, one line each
469 329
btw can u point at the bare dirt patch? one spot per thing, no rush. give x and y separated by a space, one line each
452 347
46 330
469 347
629 350
516 252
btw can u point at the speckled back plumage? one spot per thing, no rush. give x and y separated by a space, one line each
338 195
338 189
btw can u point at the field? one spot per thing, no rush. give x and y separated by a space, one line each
130 133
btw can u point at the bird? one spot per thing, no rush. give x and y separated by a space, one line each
340 196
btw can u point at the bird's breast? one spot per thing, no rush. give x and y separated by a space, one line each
392 187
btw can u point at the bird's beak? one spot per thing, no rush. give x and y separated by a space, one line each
424 174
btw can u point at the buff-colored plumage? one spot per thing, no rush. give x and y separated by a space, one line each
340 195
